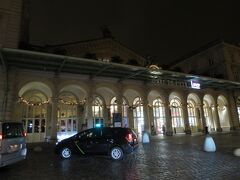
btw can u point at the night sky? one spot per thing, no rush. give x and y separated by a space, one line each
165 30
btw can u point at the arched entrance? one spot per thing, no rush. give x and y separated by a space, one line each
159 116
208 108
223 112
33 106
67 115
97 110
177 115
114 109
138 114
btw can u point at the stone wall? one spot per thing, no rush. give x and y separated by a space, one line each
10 22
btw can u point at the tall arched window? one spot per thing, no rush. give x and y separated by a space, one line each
97 108
208 116
176 113
114 109
159 115
113 106
192 117
67 115
138 114
34 113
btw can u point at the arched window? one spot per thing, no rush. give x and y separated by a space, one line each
176 113
34 113
97 108
138 114
208 116
159 115
114 109
67 115
113 106
192 117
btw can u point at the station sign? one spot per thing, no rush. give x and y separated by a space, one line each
195 85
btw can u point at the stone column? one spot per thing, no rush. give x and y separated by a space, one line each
199 119
48 120
119 104
146 115
185 118
169 129
53 131
185 114
217 120
130 118
80 116
233 112
202 118
151 120
106 115
89 113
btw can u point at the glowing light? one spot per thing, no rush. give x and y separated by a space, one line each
21 99
98 125
195 85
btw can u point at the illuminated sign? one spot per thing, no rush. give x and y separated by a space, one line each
195 85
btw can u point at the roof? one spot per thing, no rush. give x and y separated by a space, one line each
196 51
24 59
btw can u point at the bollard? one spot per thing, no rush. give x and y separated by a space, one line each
236 152
145 137
209 144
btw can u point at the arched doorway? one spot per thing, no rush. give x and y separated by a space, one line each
32 109
97 110
208 109
223 112
192 116
159 116
177 115
138 114
67 115
34 115
114 109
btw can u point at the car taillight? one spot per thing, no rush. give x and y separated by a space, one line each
129 137
24 134
1 137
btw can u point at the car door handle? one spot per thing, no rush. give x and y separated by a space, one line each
110 140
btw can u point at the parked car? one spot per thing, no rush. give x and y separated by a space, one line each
12 143
115 142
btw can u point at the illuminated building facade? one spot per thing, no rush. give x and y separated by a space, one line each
58 95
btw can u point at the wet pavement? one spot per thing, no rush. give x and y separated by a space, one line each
177 157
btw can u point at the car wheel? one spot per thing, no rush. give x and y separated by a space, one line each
116 153
66 153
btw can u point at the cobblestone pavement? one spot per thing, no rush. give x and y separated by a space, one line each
177 157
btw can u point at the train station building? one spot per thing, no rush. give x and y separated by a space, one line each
58 90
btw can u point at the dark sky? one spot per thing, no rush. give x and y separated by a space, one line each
165 29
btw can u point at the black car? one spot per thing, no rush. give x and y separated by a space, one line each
106 140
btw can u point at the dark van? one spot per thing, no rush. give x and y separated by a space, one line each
12 143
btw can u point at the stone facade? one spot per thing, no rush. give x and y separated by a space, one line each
10 22
106 49
210 107
219 60
52 104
